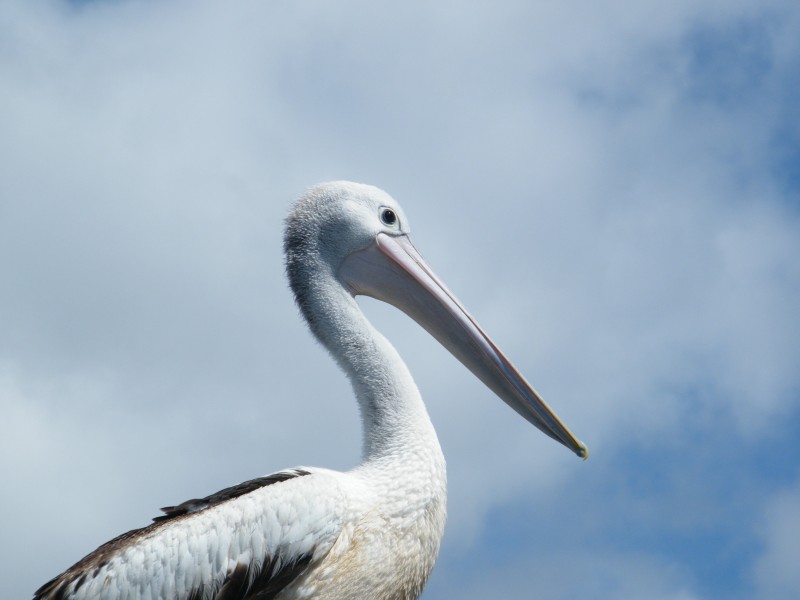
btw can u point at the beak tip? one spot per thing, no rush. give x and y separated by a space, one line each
582 451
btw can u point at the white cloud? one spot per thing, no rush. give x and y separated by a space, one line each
775 570
577 574
627 241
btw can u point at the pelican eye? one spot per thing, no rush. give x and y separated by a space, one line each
388 216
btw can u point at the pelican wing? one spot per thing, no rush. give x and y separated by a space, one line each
246 541
196 504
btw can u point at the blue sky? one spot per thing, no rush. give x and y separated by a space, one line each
611 188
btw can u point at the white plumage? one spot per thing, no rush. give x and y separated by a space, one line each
372 533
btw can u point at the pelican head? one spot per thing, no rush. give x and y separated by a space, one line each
358 236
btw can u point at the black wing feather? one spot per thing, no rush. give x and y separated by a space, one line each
196 504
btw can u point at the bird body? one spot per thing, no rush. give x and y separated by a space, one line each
372 533
321 535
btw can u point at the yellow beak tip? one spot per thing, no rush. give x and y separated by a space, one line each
583 451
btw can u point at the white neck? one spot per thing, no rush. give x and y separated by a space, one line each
395 421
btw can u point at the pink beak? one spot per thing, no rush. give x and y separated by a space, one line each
391 270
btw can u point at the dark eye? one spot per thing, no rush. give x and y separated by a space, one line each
388 217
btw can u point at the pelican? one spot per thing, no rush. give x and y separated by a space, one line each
372 533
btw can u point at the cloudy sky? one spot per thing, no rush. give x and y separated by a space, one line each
611 187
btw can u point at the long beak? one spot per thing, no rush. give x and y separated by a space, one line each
393 271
